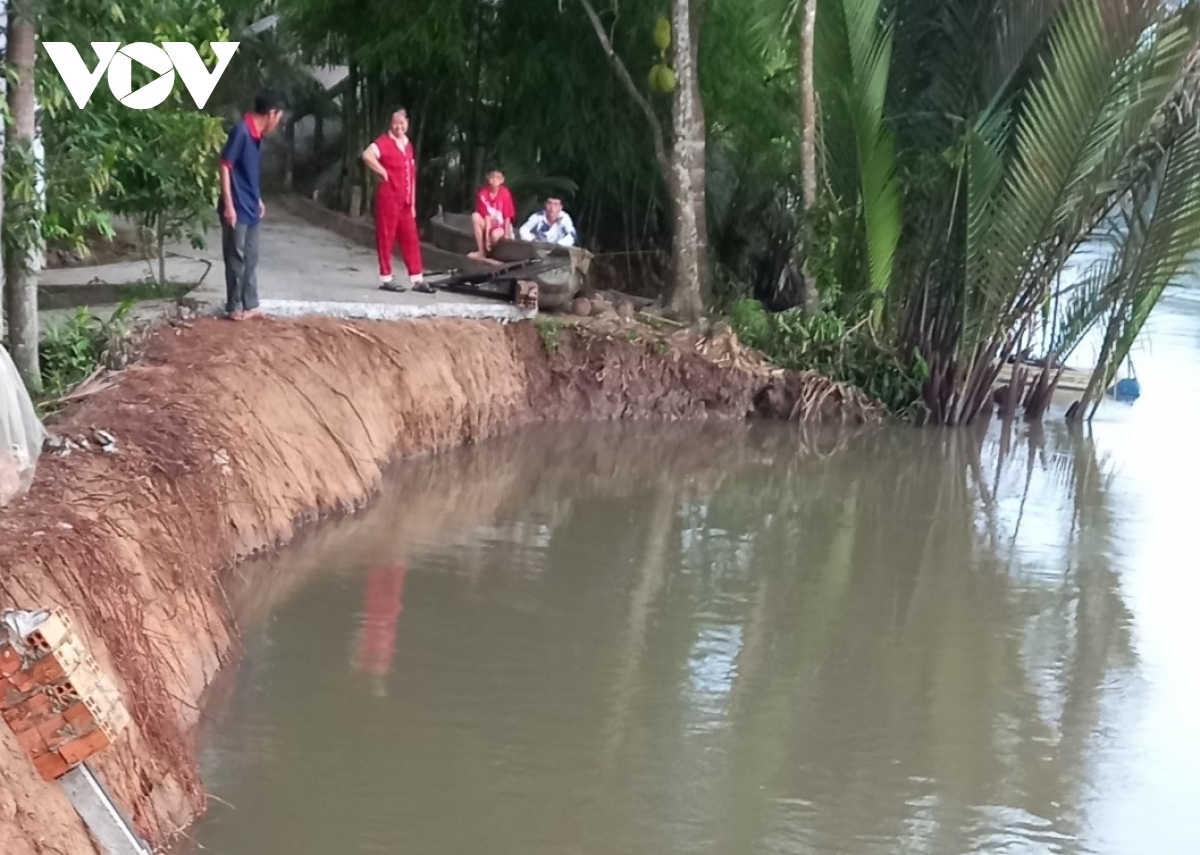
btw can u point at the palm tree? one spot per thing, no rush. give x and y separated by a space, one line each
975 149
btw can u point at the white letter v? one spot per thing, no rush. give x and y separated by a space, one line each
198 80
81 83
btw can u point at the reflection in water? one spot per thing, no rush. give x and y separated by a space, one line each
385 601
722 639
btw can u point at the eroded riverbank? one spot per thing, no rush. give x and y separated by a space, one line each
228 438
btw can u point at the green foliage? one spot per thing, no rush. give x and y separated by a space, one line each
153 289
166 169
522 85
548 329
753 189
22 203
71 352
825 344
156 165
852 64
1021 130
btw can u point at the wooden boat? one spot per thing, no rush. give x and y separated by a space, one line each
1072 380
455 233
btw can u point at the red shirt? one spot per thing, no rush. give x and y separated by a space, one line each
401 166
498 209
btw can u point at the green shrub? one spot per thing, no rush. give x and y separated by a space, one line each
72 351
824 343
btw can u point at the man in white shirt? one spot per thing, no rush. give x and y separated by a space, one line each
550 225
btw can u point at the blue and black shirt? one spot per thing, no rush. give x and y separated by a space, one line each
243 155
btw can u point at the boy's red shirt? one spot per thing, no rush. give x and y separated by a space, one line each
498 209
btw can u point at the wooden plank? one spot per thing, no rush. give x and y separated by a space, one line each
1072 380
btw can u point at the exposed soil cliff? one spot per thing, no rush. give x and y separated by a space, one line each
228 436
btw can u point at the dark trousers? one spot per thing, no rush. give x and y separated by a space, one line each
239 245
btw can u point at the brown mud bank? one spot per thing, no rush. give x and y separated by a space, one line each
230 436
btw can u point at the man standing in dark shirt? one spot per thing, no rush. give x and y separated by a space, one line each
241 205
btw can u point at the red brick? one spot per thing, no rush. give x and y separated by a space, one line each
23 681
57 731
18 720
80 717
48 670
83 747
51 766
10 661
10 696
32 743
38 706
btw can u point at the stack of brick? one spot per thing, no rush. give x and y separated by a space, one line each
55 698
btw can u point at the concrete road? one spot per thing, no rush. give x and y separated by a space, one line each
300 265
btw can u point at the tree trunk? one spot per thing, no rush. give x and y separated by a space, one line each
318 140
810 300
686 179
4 92
1101 374
161 246
808 105
4 304
19 268
289 157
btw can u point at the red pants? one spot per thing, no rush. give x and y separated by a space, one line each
394 221
384 602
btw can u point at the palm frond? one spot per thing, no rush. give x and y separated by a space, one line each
1096 94
1172 237
852 63
987 142
1018 28
1085 302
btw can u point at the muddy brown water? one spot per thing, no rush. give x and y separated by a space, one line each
725 640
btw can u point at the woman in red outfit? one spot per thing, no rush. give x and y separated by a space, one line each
391 158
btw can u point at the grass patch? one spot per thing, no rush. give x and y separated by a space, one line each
548 330
151 289
71 352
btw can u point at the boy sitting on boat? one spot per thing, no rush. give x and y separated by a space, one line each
493 216
550 225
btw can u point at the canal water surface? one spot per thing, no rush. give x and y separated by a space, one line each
732 640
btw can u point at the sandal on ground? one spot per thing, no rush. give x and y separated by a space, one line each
393 286
425 288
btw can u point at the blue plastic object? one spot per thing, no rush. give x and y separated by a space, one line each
1127 389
